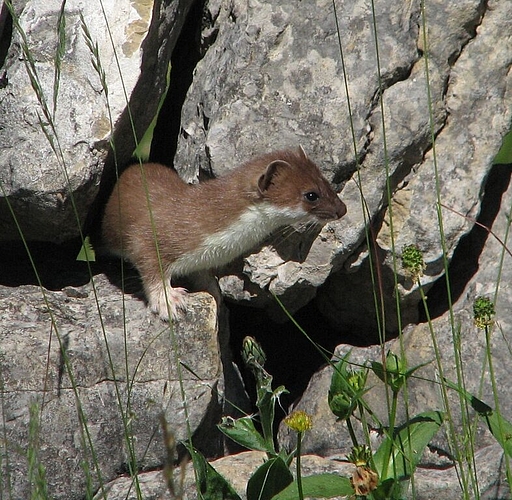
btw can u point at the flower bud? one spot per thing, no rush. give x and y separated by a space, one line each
347 388
483 312
299 421
252 353
394 373
412 261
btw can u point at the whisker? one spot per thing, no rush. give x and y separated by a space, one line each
302 228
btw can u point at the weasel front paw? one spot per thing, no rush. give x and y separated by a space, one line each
164 299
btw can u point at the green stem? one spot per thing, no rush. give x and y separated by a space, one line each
297 464
495 394
391 431
351 432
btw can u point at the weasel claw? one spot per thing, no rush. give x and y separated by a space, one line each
164 299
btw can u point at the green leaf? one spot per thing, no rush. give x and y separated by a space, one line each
388 489
406 446
266 404
318 486
243 432
339 382
504 155
500 428
210 484
143 149
86 253
269 479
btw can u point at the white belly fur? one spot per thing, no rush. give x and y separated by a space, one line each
250 229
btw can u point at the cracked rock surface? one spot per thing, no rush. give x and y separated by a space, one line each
274 77
52 150
124 376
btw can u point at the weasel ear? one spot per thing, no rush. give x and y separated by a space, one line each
302 153
273 168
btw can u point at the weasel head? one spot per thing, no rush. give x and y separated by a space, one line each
292 180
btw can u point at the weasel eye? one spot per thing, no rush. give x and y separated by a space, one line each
311 196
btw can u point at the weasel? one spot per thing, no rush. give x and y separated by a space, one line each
197 227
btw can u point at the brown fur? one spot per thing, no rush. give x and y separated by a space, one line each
183 215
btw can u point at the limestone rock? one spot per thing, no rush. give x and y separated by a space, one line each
100 369
270 90
54 136
429 483
463 160
237 469
272 76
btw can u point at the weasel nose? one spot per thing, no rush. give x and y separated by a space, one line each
341 209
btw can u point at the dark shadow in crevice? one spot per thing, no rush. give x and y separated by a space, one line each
189 50
291 358
464 263
5 33
56 265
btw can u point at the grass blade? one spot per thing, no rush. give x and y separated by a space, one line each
500 427
59 53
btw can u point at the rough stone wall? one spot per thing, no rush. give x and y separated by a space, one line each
55 130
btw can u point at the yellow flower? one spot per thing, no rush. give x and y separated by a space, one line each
299 421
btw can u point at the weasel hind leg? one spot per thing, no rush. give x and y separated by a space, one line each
164 298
